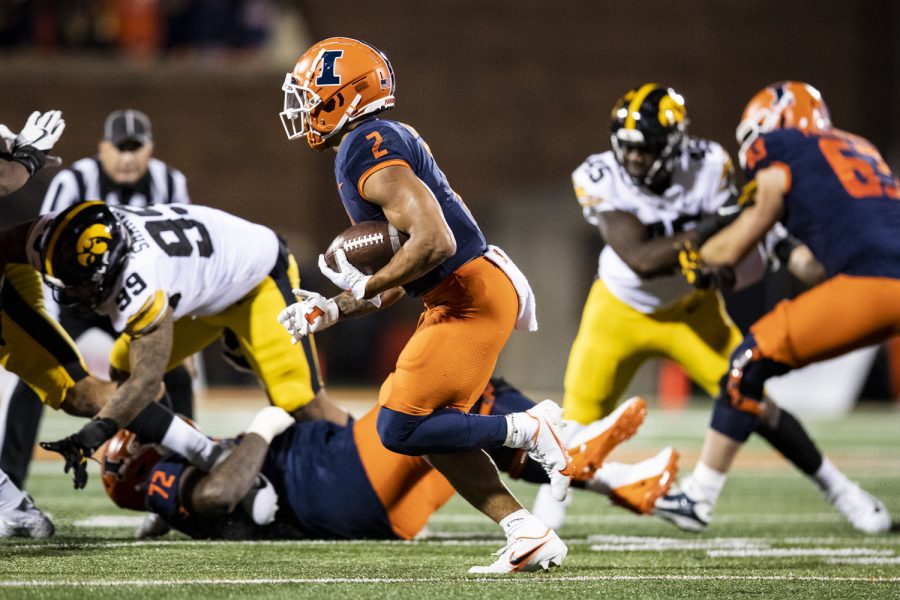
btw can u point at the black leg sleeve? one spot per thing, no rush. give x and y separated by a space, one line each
179 387
22 422
790 438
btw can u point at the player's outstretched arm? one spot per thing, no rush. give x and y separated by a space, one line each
732 243
645 255
24 153
148 355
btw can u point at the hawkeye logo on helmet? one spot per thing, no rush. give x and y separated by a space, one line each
328 76
92 244
671 111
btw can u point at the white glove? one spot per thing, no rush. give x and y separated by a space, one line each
269 422
261 502
314 312
9 138
42 130
347 277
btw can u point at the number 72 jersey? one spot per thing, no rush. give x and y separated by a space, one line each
193 260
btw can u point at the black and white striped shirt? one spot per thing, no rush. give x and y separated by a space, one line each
85 180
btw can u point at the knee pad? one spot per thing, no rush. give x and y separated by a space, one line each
394 428
739 404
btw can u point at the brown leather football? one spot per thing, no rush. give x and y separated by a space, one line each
369 245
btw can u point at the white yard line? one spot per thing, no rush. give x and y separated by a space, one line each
866 560
521 579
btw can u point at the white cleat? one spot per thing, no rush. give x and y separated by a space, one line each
527 554
547 449
865 512
152 526
26 520
684 510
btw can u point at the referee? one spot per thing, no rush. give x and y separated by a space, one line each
123 172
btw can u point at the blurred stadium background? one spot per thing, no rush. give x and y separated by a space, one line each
510 94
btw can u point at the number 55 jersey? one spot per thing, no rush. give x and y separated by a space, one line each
842 199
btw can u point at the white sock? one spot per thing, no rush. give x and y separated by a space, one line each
10 495
522 521
708 482
190 443
519 429
829 477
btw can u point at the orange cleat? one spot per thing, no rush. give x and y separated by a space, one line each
591 445
637 487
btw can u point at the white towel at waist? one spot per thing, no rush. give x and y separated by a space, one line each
527 317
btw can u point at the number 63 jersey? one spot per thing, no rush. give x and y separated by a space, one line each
842 199
195 260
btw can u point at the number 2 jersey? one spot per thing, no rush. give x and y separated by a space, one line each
377 144
194 260
702 181
842 199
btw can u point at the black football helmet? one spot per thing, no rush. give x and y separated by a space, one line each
653 119
82 254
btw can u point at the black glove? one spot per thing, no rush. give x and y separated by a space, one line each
78 447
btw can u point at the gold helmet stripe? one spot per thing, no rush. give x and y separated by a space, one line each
51 245
635 104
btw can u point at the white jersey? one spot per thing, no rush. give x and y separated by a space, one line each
702 181
195 260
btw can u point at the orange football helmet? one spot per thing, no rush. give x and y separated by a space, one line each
125 468
779 105
335 82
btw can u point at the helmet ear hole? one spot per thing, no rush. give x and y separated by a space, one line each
329 106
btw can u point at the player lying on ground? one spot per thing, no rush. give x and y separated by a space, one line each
321 480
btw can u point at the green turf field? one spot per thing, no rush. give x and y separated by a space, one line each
773 536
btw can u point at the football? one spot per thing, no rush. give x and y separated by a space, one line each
369 245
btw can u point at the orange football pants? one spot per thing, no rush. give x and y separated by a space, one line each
450 357
407 486
842 314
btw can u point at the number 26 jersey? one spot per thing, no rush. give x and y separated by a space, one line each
195 260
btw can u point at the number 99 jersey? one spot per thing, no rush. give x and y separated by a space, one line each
842 200
193 259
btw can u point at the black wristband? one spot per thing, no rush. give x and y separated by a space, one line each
784 248
29 157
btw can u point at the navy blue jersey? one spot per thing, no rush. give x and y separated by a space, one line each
842 199
377 144
316 470
164 496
